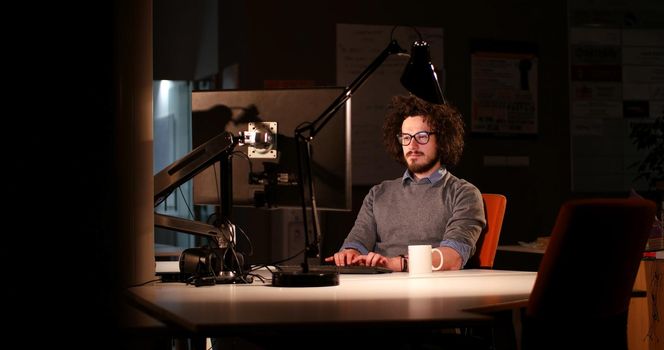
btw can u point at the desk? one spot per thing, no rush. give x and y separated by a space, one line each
518 257
359 301
521 249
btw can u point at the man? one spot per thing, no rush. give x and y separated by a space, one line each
427 205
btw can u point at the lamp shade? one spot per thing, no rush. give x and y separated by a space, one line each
419 76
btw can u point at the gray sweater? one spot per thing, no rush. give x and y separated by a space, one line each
397 213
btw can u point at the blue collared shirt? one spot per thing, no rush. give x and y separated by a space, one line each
431 179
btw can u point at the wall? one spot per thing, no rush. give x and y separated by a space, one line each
296 43
185 39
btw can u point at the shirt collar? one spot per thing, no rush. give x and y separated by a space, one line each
432 179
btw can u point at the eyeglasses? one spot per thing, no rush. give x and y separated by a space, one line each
421 137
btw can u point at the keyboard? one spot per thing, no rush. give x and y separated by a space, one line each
351 269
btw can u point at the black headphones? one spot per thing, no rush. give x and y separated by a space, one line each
210 262
200 262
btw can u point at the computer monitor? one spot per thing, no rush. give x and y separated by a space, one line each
268 182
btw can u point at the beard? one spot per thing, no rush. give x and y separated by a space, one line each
418 168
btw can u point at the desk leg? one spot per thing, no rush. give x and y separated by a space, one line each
196 343
199 343
517 324
506 330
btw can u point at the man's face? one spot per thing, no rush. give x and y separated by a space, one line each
421 159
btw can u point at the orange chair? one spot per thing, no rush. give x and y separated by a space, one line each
584 283
494 211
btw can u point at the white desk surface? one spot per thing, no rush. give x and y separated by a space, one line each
362 300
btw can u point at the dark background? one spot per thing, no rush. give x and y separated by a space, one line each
61 183
296 42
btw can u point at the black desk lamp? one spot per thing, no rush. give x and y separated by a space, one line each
419 77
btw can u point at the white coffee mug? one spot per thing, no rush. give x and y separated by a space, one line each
419 259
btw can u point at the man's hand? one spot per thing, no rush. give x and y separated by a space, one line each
375 259
353 257
344 257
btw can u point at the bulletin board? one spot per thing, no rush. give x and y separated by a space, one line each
616 81
504 87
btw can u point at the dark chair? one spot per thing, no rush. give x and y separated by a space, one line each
581 295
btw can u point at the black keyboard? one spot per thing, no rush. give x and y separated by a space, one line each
351 269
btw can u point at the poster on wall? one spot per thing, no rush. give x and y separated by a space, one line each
504 88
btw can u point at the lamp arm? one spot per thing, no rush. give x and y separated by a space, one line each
221 237
185 168
306 133
317 125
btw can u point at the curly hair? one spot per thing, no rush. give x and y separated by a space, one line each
444 119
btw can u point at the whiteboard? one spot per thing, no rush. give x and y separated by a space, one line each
357 46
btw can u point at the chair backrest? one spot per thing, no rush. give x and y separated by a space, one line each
585 279
494 211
